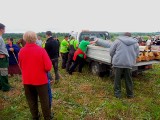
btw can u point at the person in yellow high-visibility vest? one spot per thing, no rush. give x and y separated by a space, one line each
43 43
64 50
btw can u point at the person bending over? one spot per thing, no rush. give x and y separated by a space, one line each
80 55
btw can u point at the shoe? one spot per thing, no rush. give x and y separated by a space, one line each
130 97
6 90
11 88
70 73
63 67
118 96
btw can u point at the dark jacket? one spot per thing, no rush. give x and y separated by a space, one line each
52 48
156 42
12 60
58 46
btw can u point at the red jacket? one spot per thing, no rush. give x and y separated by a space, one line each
79 51
35 63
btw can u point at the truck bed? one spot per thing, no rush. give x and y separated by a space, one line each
102 55
98 53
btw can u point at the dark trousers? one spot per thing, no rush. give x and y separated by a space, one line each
69 61
55 67
32 92
4 85
79 61
64 59
128 81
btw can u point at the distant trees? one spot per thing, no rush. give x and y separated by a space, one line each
13 35
17 36
42 34
113 35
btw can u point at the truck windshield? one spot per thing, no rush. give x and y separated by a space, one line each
101 35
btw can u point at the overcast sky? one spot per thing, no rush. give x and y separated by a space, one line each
75 15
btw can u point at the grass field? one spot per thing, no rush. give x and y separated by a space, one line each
87 97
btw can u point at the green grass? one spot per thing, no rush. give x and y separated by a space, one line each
87 97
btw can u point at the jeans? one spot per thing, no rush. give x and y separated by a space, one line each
128 81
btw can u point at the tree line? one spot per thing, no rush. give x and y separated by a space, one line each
113 35
17 36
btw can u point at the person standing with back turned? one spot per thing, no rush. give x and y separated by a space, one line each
64 50
73 46
80 55
124 52
4 85
35 63
52 48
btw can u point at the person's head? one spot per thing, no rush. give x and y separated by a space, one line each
55 37
86 38
66 37
30 37
2 29
48 34
128 34
72 37
39 37
10 41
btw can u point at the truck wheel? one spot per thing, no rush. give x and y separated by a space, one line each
96 69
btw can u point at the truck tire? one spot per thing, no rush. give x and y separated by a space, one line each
96 69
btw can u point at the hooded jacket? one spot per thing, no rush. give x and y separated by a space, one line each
124 52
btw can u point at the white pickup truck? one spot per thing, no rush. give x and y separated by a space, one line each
99 57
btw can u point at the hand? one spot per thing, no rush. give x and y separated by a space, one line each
96 40
11 49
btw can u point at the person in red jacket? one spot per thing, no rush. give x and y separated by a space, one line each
35 63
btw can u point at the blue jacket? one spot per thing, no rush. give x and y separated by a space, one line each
124 52
12 60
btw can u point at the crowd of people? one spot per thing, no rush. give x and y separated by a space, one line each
151 40
34 58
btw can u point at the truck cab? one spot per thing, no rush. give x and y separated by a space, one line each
86 33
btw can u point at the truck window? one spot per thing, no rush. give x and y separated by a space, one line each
107 35
83 35
101 36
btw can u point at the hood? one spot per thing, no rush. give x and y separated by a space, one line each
128 40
